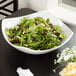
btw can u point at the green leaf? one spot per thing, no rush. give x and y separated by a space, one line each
62 36
58 28
47 20
7 32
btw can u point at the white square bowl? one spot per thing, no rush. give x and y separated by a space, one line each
11 22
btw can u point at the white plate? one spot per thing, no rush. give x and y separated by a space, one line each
11 22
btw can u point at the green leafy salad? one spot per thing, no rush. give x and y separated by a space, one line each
67 55
36 33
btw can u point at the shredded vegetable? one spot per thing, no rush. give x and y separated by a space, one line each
36 33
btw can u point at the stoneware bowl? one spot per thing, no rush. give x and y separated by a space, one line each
11 22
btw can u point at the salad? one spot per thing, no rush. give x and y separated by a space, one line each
36 33
67 56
